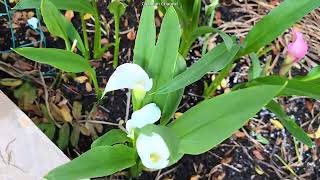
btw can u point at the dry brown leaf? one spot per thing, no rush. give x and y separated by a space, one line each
239 134
131 35
65 113
81 79
258 154
195 177
69 15
88 87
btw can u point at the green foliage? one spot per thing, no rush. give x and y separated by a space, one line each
276 22
215 60
97 162
112 137
212 121
61 59
26 95
64 135
79 5
290 124
117 8
255 68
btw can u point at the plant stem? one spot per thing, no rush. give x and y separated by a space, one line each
85 36
205 44
117 42
95 83
217 81
97 34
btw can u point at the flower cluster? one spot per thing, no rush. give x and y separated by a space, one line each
152 149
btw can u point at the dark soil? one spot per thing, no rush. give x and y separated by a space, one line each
235 159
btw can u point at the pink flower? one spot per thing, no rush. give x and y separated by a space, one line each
299 47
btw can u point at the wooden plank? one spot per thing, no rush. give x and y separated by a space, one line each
25 152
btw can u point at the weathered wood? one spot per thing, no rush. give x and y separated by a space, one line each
25 152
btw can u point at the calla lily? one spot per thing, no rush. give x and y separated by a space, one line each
153 151
33 22
299 47
130 76
149 114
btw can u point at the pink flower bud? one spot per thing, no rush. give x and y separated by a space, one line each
299 47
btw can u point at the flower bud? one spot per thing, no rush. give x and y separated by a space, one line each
298 48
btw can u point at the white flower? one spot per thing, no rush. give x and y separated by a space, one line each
33 22
130 76
153 151
149 114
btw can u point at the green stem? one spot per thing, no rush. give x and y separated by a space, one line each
95 83
97 34
85 36
217 81
117 42
205 45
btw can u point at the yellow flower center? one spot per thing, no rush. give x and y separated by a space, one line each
154 157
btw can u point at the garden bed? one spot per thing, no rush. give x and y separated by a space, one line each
260 150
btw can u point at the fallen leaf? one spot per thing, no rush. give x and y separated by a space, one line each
64 134
26 95
76 110
226 160
259 170
65 113
69 15
87 16
88 87
258 155
177 115
131 35
315 135
10 82
81 79
239 134
277 124
75 134
195 177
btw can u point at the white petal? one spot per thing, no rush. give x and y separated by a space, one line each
130 76
33 22
149 114
154 144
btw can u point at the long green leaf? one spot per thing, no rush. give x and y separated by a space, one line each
162 67
294 87
97 162
215 60
255 68
212 121
290 124
112 137
199 31
146 37
276 22
76 5
61 59
53 19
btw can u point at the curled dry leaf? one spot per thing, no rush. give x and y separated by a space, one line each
258 155
65 113
69 15
10 82
131 35
88 87
81 79
277 124
76 110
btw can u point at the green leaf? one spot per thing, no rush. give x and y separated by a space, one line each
112 137
199 31
162 66
97 162
276 22
26 95
78 5
53 19
61 59
75 134
117 8
255 68
262 139
144 45
212 121
289 123
174 98
312 76
215 60
294 87
73 34
64 134
48 129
